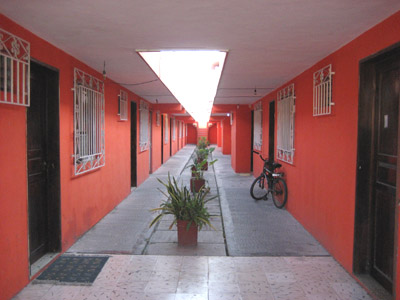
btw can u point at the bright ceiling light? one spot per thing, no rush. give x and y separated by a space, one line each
191 76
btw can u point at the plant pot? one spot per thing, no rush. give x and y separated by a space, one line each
205 166
187 237
196 184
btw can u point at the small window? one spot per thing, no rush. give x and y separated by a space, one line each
144 126
158 117
14 69
89 133
166 129
286 113
257 144
173 129
123 105
322 96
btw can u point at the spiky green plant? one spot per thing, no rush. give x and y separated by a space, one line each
183 205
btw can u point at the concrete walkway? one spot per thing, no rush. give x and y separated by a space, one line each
294 266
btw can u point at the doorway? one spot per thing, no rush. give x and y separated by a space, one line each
43 156
133 145
271 132
377 167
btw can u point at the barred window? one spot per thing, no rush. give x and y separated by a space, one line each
286 113
89 148
144 126
166 129
257 126
123 105
14 69
158 117
322 94
173 129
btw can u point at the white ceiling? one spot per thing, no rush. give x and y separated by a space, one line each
269 41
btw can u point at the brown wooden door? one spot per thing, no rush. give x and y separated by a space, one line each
385 162
43 163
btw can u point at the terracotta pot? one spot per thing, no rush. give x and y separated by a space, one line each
196 184
187 237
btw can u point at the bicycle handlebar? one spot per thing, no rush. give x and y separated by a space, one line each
263 159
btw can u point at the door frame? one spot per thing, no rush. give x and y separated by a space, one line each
53 184
363 201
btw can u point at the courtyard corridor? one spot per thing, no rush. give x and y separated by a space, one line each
256 251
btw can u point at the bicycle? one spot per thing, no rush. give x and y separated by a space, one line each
270 182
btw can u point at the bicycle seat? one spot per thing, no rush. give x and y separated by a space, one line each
272 165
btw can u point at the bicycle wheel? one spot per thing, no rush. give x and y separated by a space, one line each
259 188
279 192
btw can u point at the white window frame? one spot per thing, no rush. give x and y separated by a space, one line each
286 118
173 129
144 126
89 123
257 126
322 91
123 105
14 70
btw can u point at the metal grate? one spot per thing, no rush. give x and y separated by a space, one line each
14 70
322 96
123 105
89 146
166 129
257 126
173 129
144 126
286 113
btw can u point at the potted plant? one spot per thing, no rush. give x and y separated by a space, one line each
189 211
202 154
197 179
202 143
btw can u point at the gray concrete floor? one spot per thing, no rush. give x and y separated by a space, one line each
245 227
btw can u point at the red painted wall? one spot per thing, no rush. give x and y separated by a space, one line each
166 146
226 136
326 147
219 134
241 139
212 134
192 134
156 143
85 199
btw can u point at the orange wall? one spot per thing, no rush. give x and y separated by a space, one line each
219 134
212 134
85 199
192 134
226 136
322 179
241 139
156 143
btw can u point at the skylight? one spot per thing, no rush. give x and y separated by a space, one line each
191 76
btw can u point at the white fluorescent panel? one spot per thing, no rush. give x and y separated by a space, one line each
191 76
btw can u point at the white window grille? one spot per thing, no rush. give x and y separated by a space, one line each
286 113
14 69
144 126
166 129
173 129
123 105
180 129
158 117
257 120
322 96
89 140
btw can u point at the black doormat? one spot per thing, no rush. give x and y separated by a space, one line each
78 270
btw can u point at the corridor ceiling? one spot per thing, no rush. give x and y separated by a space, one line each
269 41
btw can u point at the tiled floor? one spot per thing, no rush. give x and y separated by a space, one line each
211 278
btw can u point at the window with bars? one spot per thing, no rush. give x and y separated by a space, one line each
257 126
14 69
166 129
89 139
173 129
322 93
144 126
286 113
123 105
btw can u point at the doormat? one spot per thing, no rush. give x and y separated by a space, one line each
74 270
